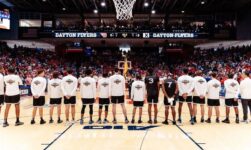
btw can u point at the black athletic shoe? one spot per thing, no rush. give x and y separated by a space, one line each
51 121
202 120
18 123
59 121
208 120
194 119
5 124
226 121
91 122
139 121
237 120
217 120
105 121
150 121
99 121
165 122
33 121
155 121
42 121
133 121
174 122
179 120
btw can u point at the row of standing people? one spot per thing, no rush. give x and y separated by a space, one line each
111 89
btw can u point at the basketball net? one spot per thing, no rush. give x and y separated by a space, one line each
124 9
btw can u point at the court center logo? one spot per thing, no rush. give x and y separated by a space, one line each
119 127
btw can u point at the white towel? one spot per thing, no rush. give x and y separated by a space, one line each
170 100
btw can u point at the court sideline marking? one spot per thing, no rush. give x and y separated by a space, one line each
61 134
184 132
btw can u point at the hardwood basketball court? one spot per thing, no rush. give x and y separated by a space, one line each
121 136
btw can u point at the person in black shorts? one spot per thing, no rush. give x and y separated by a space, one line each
170 90
1 87
38 86
69 86
199 94
138 95
186 86
213 97
103 89
55 95
88 94
116 93
152 87
231 97
12 95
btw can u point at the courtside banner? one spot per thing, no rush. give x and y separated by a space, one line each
145 35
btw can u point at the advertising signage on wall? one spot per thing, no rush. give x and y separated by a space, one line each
125 35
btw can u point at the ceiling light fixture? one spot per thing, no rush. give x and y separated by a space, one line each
95 11
146 4
103 4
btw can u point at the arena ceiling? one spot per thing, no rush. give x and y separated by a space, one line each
161 6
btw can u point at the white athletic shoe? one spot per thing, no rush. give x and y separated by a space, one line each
68 123
245 121
73 122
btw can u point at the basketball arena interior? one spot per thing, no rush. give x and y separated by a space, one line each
125 74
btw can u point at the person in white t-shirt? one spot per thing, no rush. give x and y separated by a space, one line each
55 95
117 89
138 95
103 90
88 94
185 86
1 87
245 91
232 89
12 95
213 97
38 86
69 86
200 91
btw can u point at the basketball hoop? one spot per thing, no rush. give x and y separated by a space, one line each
124 9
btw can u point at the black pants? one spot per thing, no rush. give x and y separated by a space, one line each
90 111
245 104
